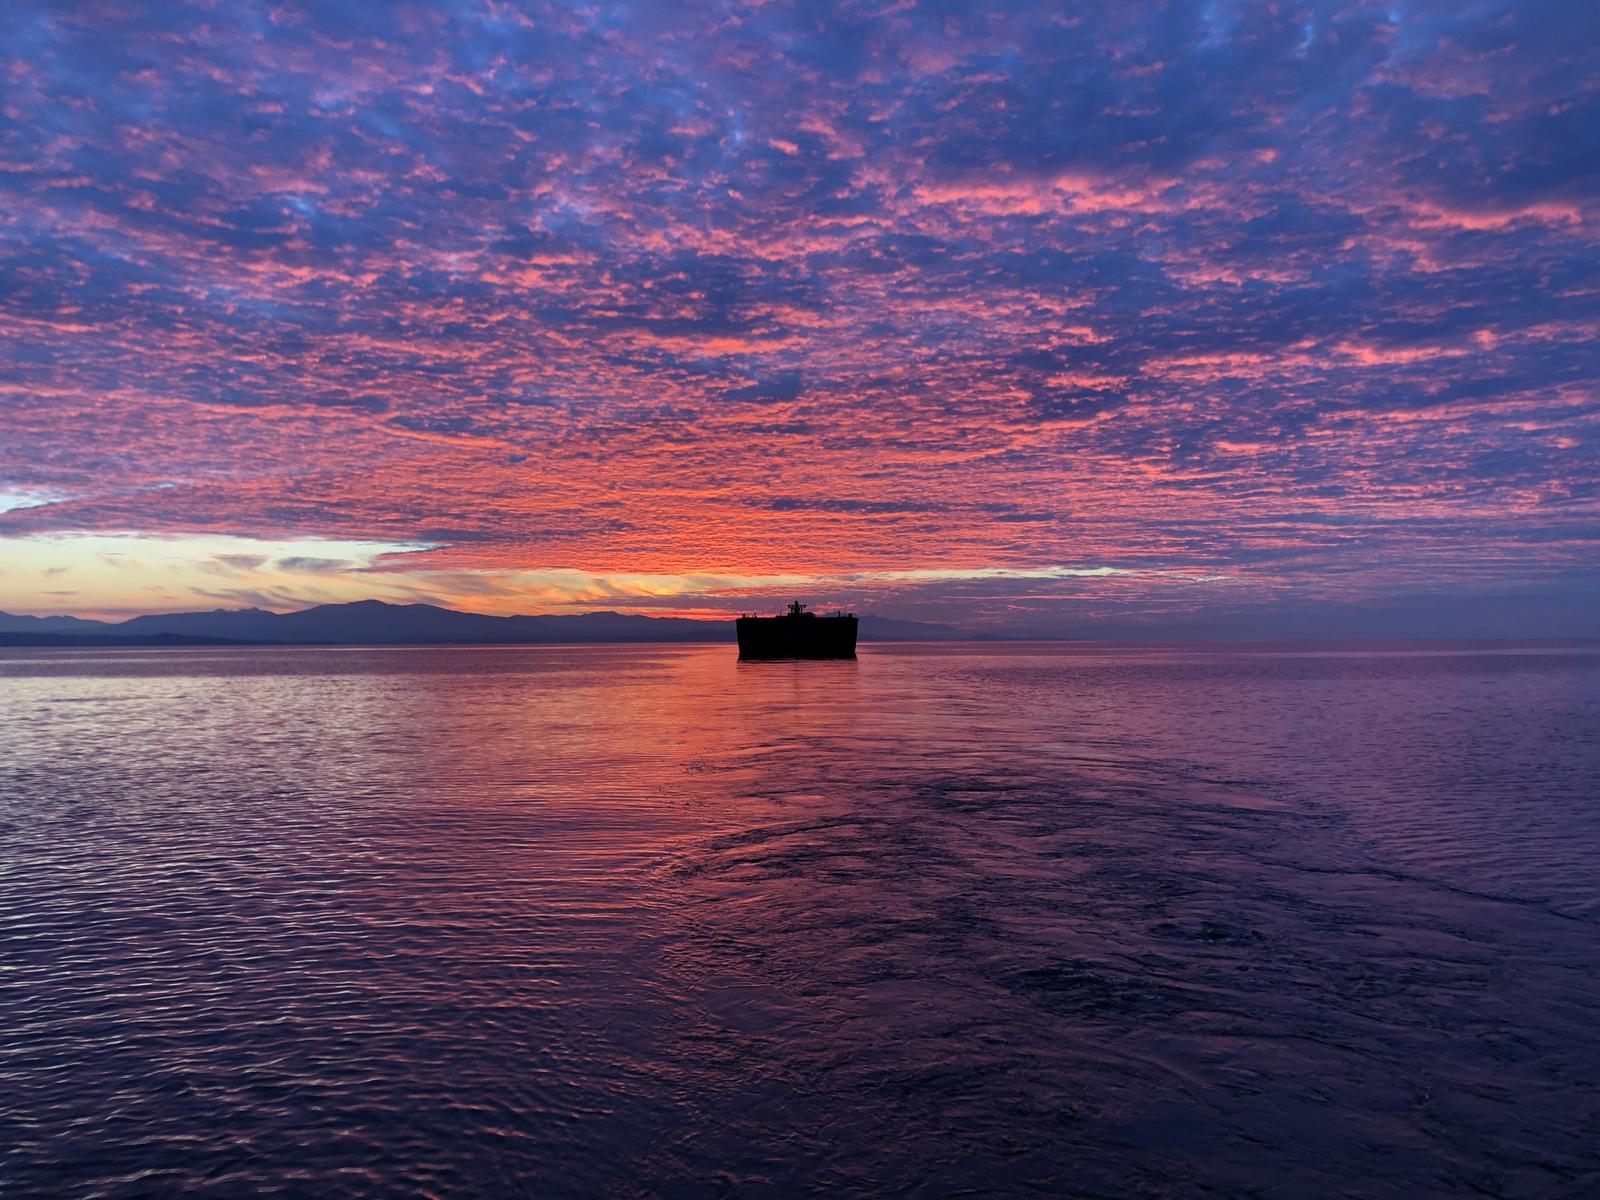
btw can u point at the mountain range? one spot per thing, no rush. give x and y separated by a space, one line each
376 623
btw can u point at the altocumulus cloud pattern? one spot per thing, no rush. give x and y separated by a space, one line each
1017 309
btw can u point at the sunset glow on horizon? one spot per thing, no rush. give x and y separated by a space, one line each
1019 317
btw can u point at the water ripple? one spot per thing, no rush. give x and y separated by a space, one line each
645 922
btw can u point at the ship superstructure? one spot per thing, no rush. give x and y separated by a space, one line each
798 633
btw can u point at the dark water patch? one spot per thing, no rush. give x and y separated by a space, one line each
1090 990
1211 933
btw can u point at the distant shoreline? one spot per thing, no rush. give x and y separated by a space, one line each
375 623
16 640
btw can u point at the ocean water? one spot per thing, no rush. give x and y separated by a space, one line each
962 920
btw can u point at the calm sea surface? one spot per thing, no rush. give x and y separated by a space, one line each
645 921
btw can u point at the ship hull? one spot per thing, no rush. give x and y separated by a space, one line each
805 636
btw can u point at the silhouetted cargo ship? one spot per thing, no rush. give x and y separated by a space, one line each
798 634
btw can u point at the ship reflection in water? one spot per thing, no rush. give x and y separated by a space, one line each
797 634
954 920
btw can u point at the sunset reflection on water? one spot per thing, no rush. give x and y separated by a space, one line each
644 920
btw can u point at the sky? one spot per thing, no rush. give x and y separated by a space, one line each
1076 318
